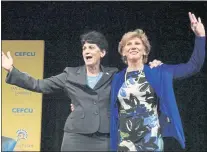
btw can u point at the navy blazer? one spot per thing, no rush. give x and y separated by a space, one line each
161 80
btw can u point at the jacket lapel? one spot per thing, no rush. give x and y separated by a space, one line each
119 80
107 74
153 76
81 76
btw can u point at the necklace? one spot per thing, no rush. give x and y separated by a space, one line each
125 76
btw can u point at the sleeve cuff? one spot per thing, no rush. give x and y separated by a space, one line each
10 75
200 37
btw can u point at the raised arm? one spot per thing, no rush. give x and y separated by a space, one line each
197 58
23 80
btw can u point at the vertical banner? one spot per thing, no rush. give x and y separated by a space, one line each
22 109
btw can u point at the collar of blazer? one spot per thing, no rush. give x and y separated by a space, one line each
81 76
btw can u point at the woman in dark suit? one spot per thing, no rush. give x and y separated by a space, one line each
88 87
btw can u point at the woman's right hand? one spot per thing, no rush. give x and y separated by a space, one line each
7 61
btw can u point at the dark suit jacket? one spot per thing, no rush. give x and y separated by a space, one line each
91 112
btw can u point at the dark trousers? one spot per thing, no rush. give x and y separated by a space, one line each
85 142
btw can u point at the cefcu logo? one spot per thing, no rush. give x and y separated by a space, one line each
22 146
25 54
22 110
21 134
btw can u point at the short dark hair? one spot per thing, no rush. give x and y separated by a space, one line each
95 37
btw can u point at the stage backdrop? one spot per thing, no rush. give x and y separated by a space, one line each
22 109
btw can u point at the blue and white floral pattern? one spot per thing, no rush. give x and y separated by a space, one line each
139 127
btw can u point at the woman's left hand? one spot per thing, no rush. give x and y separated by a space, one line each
196 25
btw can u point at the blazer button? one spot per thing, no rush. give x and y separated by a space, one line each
94 102
96 113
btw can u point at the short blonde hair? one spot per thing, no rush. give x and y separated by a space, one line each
132 34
